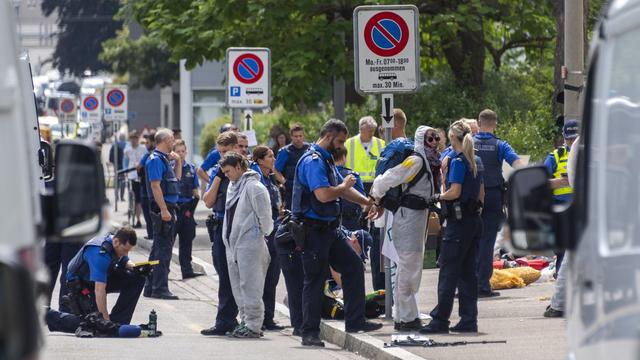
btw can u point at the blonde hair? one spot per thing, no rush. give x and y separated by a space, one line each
462 131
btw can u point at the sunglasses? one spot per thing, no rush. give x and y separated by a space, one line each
432 138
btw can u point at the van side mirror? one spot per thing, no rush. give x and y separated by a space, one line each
79 192
531 210
45 159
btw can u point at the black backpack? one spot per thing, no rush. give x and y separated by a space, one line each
394 197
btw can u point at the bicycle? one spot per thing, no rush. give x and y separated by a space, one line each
131 210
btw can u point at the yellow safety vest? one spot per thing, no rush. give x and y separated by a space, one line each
561 169
362 162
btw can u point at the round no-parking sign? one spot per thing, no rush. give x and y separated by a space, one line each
386 49
67 106
248 68
386 34
90 103
115 97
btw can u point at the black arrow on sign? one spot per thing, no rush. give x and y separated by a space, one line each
387 110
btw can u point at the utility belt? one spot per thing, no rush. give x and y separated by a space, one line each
295 230
213 223
161 227
170 206
80 298
456 210
414 202
188 206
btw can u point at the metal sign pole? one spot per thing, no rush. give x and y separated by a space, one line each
115 162
387 116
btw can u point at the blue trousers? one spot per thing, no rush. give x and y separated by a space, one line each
377 276
57 257
492 219
271 282
185 233
227 307
323 247
458 254
163 238
144 203
291 265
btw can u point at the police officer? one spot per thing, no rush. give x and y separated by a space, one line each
187 203
144 195
556 163
315 202
351 212
100 267
213 156
163 185
493 152
263 163
287 160
461 204
215 198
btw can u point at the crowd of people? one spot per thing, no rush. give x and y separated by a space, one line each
299 208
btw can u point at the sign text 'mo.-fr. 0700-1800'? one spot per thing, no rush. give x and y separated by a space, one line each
386 49
248 78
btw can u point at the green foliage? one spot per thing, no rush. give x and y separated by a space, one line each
210 133
145 58
83 26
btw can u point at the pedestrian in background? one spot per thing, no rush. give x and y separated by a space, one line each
133 154
145 196
287 159
247 220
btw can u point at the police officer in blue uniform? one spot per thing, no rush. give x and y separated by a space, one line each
493 152
263 163
144 195
351 212
100 267
213 156
287 160
162 180
461 202
317 190
215 198
187 203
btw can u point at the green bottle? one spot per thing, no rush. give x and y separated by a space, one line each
153 323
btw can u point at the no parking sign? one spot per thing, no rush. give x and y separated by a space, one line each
67 111
248 78
91 109
386 49
115 103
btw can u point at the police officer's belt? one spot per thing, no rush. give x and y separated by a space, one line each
320 223
170 206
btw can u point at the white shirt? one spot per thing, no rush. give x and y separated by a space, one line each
367 145
134 155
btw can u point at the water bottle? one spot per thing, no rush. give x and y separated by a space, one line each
153 322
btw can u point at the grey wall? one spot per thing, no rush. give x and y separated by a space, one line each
144 108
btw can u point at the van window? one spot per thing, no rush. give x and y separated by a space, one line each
621 210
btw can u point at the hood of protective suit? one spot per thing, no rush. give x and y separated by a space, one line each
236 188
418 139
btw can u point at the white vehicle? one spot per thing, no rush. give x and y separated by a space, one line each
601 227
70 209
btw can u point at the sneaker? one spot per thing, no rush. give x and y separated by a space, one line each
464 328
487 294
414 325
312 341
364 327
553 313
219 330
243 332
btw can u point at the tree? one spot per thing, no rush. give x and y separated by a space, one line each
83 25
145 58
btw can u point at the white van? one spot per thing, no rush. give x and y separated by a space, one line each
68 209
601 227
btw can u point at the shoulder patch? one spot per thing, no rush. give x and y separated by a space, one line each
315 156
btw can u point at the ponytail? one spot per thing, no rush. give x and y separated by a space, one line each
461 130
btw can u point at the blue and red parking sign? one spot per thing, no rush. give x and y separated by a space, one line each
90 103
115 97
386 34
248 68
248 78
115 103
67 106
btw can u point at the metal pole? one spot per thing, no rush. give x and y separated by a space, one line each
387 115
115 162
573 58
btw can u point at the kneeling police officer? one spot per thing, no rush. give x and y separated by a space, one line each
102 266
317 190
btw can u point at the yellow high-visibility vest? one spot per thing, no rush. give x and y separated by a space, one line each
561 156
363 162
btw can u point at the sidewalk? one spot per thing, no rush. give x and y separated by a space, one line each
516 316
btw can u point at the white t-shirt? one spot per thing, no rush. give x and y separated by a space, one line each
134 155
367 146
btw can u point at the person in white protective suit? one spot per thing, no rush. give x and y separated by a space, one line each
247 220
409 230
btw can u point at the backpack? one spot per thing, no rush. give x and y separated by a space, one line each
393 155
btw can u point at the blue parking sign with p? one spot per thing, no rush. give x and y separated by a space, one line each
235 91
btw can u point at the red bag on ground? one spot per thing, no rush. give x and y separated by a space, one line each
538 264
498 264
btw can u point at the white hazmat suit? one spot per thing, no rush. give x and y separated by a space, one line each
247 252
409 230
